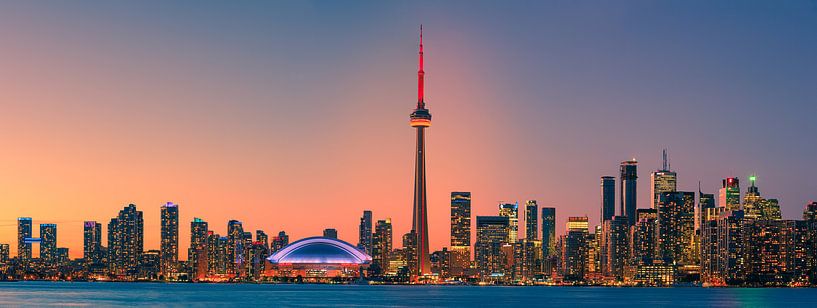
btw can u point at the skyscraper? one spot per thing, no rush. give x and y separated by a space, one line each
511 210
676 227
420 119
460 219
729 194
235 245
548 231
197 253
460 254
661 181
492 234
574 249
24 225
382 244
757 207
170 238
705 202
642 237
628 176
365 233
531 220
330 233
48 243
92 242
125 242
614 246
608 198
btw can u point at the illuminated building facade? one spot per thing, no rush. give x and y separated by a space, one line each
511 210
4 254
492 234
125 242
197 252
579 223
548 231
768 248
441 262
531 220
410 251
24 231
628 175
705 202
662 181
382 245
235 245
527 258
614 247
757 207
608 198
676 227
729 194
642 237
169 252
279 241
460 252
48 243
92 243
420 119
574 253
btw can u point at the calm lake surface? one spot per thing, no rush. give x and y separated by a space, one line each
175 294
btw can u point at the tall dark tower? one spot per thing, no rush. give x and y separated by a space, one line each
608 199
628 177
420 119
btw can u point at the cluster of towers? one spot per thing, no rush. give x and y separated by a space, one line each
211 257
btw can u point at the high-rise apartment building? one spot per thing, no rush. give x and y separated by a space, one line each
365 233
125 242
48 244
614 247
169 252
92 243
382 240
676 227
24 232
197 252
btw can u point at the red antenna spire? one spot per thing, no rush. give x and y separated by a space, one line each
420 102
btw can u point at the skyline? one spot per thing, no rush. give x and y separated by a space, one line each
132 131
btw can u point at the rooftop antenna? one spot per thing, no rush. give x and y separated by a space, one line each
664 164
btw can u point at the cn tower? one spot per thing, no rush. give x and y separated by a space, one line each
420 119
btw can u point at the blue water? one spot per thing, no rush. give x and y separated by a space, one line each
163 294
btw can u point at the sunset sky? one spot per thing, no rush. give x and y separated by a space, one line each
294 115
